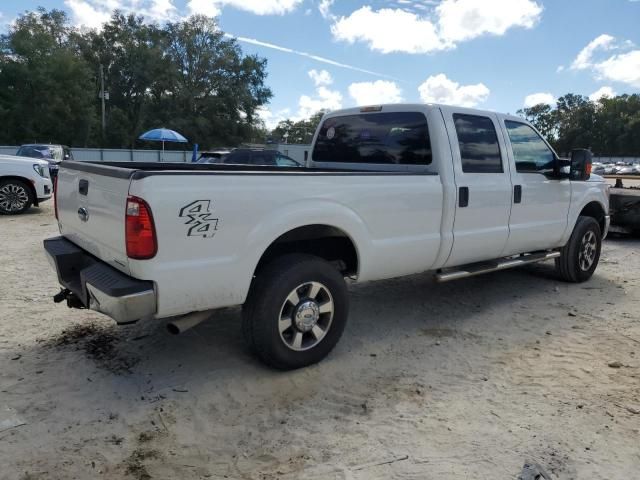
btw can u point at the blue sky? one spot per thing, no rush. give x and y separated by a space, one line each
493 54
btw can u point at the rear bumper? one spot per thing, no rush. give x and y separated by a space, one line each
607 225
99 286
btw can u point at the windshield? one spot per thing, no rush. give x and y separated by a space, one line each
48 152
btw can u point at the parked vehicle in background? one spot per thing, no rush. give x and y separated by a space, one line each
213 156
598 169
54 154
23 182
390 190
253 156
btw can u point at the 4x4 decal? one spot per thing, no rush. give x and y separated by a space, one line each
199 218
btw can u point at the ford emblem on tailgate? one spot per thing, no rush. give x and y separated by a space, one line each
83 214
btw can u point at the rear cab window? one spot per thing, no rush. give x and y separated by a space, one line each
385 138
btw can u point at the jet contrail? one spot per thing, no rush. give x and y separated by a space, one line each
317 58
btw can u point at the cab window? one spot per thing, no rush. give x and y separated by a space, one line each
478 141
530 152
400 138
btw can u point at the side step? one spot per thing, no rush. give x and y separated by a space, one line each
473 269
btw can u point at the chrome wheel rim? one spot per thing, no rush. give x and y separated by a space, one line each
13 197
588 249
306 316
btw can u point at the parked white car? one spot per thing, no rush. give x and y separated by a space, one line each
389 191
23 182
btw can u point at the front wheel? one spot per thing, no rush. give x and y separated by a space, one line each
296 311
579 257
15 197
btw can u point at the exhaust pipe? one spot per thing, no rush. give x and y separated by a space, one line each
184 323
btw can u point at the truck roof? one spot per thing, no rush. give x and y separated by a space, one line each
406 107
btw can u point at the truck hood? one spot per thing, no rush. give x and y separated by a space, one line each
14 160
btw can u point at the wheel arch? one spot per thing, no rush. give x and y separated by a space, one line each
326 241
27 182
596 210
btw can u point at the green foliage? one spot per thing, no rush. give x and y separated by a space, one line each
185 76
297 132
43 83
609 126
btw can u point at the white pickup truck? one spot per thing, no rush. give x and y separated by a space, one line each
388 191
23 182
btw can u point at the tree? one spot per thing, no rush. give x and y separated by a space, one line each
301 131
135 67
185 75
43 83
609 126
215 90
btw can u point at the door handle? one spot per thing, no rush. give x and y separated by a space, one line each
83 187
517 193
463 197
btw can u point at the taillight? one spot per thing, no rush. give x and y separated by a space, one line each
140 232
55 195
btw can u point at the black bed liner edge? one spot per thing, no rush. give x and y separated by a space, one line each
139 170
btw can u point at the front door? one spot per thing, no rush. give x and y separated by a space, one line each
541 201
481 226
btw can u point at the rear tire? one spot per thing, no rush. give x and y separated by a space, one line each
296 311
15 197
579 257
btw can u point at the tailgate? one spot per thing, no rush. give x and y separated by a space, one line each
91 210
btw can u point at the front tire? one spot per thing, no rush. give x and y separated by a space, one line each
579 257
15 197
296 311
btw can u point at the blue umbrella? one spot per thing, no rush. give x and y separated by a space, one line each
162 135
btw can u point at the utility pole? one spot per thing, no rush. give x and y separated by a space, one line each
104 123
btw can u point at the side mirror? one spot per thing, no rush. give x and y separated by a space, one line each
581 159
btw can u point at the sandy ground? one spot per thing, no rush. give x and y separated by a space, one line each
461 380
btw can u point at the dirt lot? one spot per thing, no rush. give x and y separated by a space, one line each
461 380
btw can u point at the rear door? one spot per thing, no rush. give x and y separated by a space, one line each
91 211
541 200
482 177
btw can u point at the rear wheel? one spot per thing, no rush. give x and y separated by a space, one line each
296 311
15 197
579 257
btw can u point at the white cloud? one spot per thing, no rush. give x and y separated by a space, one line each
375 93
618 67
260 7
439 89
624 68
452 21
584 58
324 99
602 92
203 7
321 77
271 119
461 20
388 30
88 14
538 98
93 13
325 8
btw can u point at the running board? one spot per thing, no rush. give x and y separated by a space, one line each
473 269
